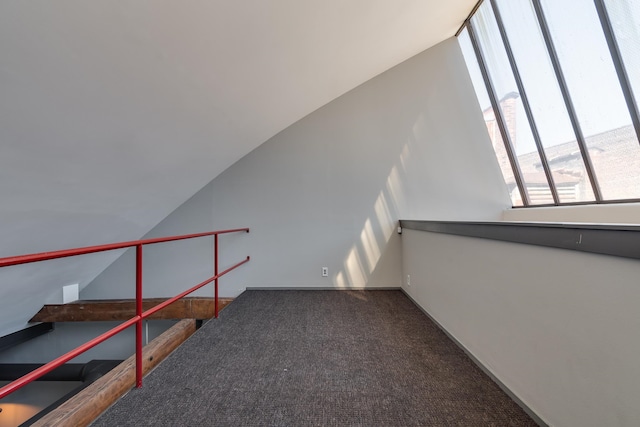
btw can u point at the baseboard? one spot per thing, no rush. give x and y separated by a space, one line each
322 288
484 369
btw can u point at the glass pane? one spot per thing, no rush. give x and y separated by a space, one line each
625 20
546 102
485 105
595 90
511 105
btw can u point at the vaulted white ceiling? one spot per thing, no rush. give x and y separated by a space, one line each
113 113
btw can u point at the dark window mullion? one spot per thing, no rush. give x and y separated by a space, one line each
468 19
621 70
506 138
525 102
542 22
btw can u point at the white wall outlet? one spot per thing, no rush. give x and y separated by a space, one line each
325 271
408 280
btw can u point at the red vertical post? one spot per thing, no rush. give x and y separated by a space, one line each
139 314
215 271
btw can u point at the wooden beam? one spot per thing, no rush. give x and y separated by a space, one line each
83 408
105 310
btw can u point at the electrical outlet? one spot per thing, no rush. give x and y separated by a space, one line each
325 271
408 280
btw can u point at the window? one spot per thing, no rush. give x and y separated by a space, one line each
490 119
561 75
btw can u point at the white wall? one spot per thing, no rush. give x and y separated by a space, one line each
329 190
559 328
113 113
168 268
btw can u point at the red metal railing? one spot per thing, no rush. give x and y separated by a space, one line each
140 315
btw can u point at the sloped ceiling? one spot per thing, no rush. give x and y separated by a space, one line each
113 113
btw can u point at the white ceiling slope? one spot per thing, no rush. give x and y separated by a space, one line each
113 113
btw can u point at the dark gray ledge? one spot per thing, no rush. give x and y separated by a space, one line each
615 240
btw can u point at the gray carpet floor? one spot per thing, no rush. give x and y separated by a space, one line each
317 358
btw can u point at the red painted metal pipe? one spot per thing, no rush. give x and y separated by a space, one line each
44 369
163 304
139 315
215 273
43 256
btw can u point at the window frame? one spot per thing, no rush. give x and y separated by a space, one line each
623 80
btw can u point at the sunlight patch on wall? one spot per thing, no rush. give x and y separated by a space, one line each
355 272
404 157
377 230
394 188
383 214
340 281
370 245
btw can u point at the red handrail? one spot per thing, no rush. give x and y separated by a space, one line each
140 315
43 256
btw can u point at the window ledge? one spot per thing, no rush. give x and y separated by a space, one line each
619 240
